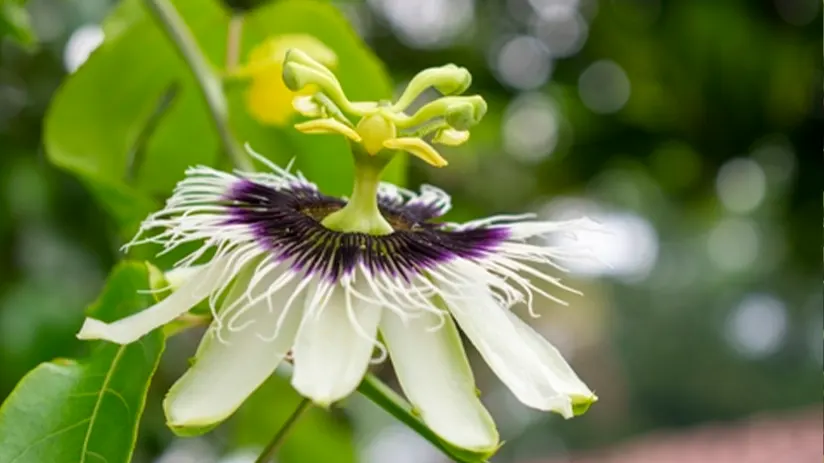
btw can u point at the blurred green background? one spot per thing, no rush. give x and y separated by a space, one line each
690 129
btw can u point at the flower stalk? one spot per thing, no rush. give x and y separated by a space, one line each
234 33
209 84
268 453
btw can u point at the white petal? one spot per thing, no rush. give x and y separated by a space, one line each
134 327
435 375
331 354
529 365
229 368
565 380
179 276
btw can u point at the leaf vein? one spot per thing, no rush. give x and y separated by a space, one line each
103 387
49 436
119 396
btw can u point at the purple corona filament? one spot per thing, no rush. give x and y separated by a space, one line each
287 222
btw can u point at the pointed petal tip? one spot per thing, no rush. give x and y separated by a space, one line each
187 420
436 378
571 406
323 404
486 444
91 329
489 450
581 405
418 148
94 329
331 353
191 429
320 397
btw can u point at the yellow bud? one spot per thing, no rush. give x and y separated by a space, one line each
375 129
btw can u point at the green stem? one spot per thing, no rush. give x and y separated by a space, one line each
384 397
268 453
210 85
234 34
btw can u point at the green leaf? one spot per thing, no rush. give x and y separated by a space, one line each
316 436
98 118
15 23
86 411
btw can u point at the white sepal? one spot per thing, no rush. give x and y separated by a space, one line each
231 363
132 328
334 343
525 362
434 373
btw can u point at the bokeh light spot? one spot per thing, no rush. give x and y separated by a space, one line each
733 244
427 23
399 444
548 8
741 185
530 127
561 28
197 450
523 62
757 326
604 87
778 160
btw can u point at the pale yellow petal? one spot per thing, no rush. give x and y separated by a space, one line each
328 126
417 147
451 137
307 106
272 51
306 43
268 99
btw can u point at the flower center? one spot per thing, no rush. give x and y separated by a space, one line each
291 223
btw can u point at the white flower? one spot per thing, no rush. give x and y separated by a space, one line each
279 281
327 281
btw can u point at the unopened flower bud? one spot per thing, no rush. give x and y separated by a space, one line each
448 80
463 115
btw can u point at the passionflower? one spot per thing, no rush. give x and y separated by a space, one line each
336 283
